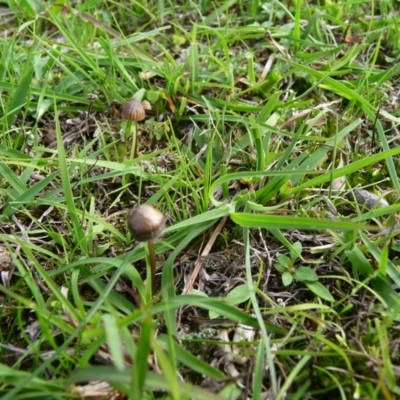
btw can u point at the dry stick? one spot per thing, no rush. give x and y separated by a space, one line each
189 286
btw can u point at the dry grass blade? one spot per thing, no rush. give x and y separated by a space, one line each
199 263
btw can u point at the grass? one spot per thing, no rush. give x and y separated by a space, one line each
267 118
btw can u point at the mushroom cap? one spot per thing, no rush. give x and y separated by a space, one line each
146 223
146 105
133 110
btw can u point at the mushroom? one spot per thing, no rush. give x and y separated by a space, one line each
134 111
146 224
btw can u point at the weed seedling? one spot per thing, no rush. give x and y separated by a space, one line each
286 266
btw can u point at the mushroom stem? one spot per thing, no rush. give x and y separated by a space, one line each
152 261
131 130
134 152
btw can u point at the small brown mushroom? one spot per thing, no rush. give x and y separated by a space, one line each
146 105
146 224
134 111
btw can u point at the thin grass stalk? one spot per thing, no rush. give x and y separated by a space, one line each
256 308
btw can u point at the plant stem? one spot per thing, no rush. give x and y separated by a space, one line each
134 152
152 261
131 131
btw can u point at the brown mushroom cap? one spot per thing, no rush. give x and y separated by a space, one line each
133 110
146 223
146 105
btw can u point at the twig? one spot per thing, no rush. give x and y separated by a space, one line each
189 286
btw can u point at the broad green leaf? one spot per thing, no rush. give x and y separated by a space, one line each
299 248
238 295
320 290
305 274
284 260
287 278
279 267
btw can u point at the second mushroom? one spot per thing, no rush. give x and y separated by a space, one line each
134 111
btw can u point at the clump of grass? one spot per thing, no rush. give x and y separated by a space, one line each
258 119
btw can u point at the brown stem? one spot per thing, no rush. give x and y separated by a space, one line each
152 260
